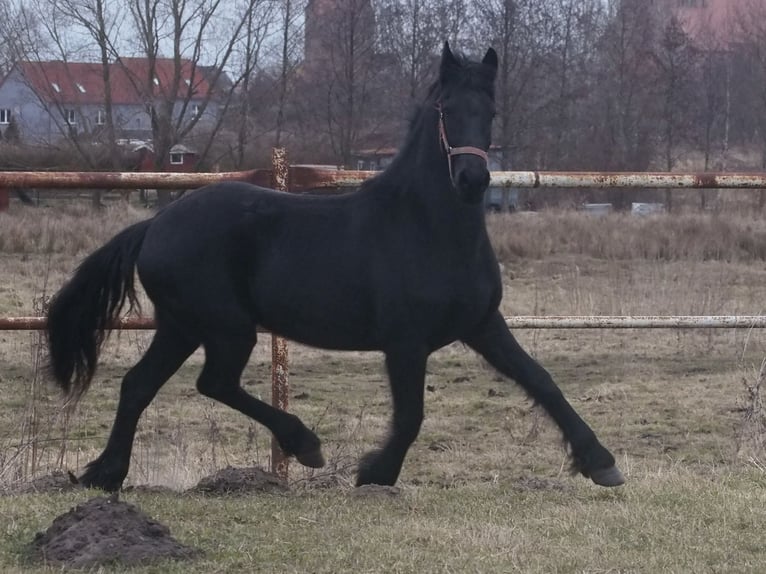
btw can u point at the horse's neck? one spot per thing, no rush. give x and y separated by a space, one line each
420 180
421 167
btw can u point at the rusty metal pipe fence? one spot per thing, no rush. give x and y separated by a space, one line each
515 322
307 177
304 178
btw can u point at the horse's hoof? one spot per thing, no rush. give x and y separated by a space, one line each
608 476
312 459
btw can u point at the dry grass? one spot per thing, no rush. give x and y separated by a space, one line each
486 486
619 237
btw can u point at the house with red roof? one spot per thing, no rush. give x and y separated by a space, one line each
48 101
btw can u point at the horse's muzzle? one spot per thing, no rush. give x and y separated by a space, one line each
471 178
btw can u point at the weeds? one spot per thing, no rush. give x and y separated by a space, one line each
751 435
624 237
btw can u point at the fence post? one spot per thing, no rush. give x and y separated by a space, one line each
280 385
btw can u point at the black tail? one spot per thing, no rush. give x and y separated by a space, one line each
81 313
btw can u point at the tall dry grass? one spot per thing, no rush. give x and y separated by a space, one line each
69 229
727 237
75 229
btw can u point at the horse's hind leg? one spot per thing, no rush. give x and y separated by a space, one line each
225 359
406 373
167 352
498 346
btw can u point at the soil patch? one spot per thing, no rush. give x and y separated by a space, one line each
105 530
232 480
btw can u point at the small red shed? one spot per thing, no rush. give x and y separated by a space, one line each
180 159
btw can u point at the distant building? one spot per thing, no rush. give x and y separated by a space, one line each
711 23
373 159
47 101
180 159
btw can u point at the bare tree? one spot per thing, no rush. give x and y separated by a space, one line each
339 73
291 27
624 105
408 31
520 31
676 61
101 22
19 33
750 23
676 70
574 32
184 30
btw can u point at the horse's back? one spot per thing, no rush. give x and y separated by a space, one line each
232 255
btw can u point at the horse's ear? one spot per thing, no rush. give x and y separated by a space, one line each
490 59
448 64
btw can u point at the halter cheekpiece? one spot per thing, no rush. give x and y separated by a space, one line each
453 151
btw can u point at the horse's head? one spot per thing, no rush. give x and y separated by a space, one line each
466 106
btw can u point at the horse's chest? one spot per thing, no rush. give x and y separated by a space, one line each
454 300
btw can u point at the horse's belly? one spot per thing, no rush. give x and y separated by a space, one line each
321 334
322 314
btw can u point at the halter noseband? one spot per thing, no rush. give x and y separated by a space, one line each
452 151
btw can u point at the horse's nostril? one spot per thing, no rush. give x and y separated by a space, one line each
468 179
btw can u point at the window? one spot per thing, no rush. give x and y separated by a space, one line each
70 117
195 110
100 117
176 158
5 117
80 87
360 164
56 87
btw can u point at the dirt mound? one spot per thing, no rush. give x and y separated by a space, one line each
105 530
232 480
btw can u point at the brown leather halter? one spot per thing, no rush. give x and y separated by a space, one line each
452 151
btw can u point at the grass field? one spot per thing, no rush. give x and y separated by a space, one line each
486 487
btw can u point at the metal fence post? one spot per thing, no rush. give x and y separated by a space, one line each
280 385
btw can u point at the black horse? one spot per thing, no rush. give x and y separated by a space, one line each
404 266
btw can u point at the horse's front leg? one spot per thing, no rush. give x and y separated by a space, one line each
498 346
406 373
